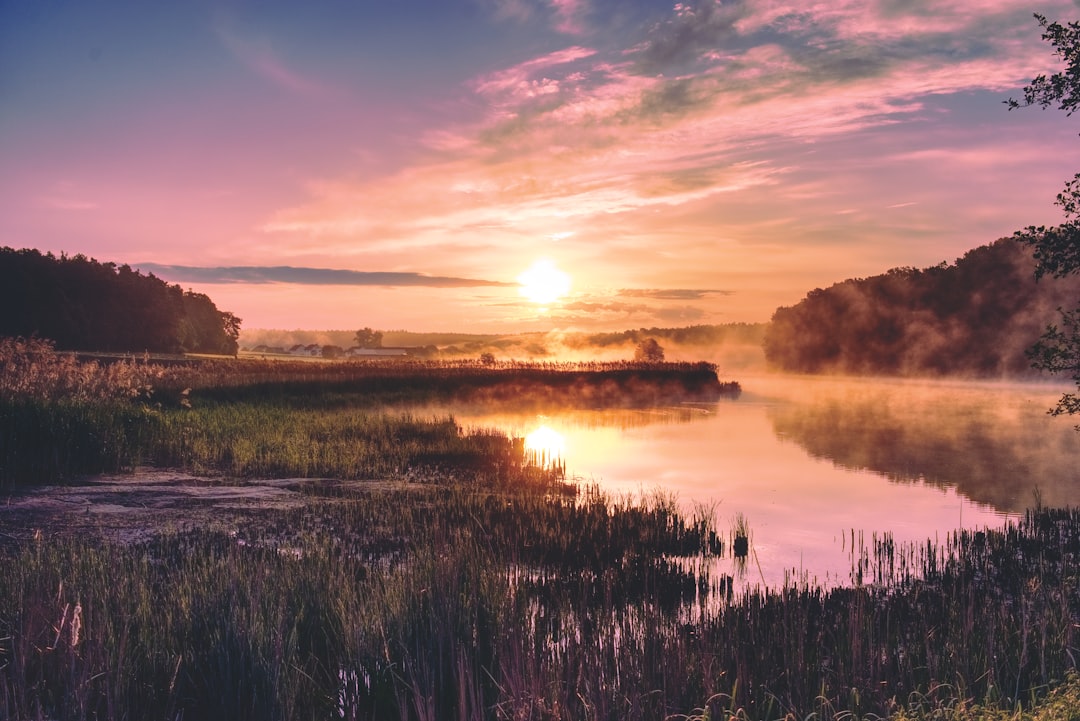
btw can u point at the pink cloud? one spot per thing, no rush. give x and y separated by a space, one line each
582 141
67 203
517 81
568 14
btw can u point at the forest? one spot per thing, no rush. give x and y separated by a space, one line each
81 304
977 317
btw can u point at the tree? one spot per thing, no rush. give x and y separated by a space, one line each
1057 249
649 351
332 351
368 338
81 304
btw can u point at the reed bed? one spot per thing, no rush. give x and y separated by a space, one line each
491 592
50 442
459 605
61 418
522 385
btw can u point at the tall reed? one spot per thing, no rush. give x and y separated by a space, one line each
456 605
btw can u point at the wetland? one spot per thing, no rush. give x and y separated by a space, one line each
299 543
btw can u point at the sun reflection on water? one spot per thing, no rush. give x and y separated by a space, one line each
545 447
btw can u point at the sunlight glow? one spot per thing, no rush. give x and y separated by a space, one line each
543 283
545 446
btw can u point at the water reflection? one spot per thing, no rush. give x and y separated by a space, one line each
992 442
545 448
811 461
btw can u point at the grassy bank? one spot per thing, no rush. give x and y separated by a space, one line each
43 442
61 418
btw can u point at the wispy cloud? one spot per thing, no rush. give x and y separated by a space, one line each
676 117
259 55
68 203
725 138
309 276
670 293
596 313
525 81
567 16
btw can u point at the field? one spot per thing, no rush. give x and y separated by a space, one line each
414 570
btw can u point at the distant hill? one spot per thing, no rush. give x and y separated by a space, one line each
82 304
975 317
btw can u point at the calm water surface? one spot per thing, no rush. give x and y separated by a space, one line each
810 461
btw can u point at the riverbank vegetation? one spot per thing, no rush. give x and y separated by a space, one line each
476 585
61 418
730 344
975 317
453 604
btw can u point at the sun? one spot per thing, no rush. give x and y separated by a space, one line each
543 283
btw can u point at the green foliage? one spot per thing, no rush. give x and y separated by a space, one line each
205 329
1062 88
82 304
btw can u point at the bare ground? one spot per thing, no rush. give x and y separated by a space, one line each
134 506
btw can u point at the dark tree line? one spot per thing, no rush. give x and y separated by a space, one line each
82 304
977 317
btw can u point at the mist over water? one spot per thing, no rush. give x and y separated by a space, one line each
813 461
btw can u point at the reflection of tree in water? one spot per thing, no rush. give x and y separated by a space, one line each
994 454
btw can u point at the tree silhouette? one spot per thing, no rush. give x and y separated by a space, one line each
649 351
1057 249
975 317
368 338
82 304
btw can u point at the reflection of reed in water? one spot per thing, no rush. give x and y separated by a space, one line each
546 449
740 543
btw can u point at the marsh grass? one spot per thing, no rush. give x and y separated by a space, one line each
492 592
458 605
52 441
61 418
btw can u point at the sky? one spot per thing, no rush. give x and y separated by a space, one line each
338 164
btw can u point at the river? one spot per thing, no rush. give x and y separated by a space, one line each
812 463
